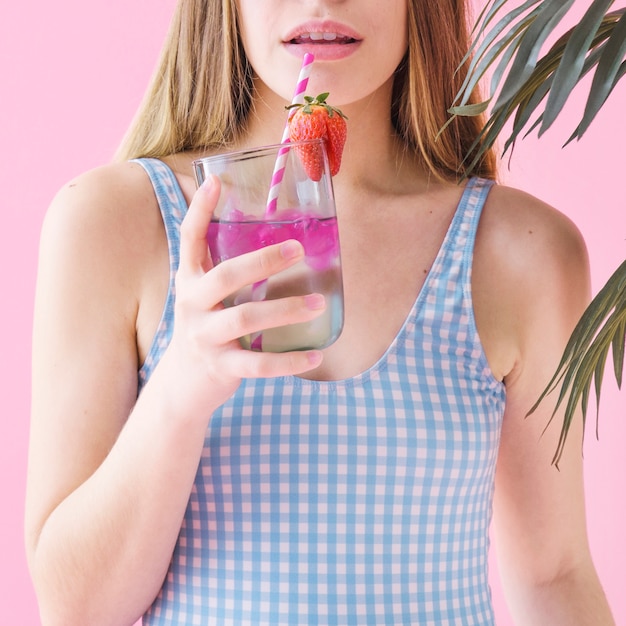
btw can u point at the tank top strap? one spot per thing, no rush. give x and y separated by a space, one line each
465 222
446 297
173 207
455 261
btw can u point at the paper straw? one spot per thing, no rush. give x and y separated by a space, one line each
259 289
281 160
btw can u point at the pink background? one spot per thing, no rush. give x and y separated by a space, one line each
71 76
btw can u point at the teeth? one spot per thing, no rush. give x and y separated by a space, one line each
321 36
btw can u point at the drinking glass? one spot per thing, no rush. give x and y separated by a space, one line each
268 195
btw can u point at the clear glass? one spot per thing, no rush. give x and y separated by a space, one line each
246 219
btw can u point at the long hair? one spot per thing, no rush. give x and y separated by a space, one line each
426 85
201 92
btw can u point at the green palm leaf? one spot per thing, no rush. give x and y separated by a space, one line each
536 93
597 43
601 328
610 70
527 81
490 49
570 67
537 32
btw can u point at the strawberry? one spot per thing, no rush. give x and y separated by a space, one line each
316 119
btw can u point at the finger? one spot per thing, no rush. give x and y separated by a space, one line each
194 250
250 268
254 317
249 364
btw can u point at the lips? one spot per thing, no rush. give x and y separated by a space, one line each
326 40
322 32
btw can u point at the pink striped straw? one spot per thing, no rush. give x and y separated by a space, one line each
259 290
281 160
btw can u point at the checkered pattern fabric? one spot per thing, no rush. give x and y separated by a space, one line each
360 501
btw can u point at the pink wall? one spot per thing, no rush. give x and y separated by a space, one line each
585 182
71 76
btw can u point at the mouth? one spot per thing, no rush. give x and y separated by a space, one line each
322 38
327 40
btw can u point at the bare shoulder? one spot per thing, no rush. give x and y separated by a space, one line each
103 259
531 231
111 196
107 221
531 273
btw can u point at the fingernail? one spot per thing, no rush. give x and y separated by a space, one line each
315 301
290 249
208 182
315 357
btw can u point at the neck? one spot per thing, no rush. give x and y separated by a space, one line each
374 156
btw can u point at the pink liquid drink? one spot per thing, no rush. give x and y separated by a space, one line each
319 272
304 211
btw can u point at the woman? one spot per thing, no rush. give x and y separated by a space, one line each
174 473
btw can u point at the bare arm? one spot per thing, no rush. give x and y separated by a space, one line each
109 476
541 537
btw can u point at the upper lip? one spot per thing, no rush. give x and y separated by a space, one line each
327 30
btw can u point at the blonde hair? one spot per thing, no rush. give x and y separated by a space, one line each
201 93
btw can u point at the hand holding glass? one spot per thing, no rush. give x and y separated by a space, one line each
304 210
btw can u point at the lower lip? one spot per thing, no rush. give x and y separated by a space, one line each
323 51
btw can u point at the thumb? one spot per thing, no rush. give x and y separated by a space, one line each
194 251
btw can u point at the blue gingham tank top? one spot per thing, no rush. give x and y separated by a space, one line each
358 501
